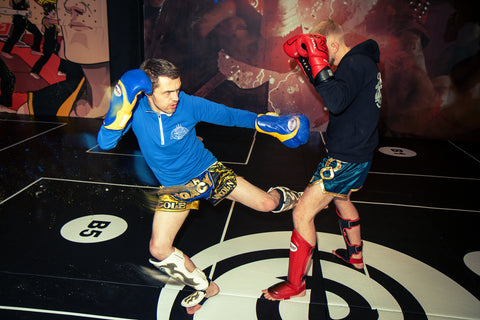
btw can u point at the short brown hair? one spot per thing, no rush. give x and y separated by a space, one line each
155 68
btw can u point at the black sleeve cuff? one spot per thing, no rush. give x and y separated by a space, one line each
323 76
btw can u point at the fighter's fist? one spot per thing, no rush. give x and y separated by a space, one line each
291 130
311 53
124 98
314 48
290 47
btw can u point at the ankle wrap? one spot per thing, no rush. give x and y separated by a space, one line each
288 198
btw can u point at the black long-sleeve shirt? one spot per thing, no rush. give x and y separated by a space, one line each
353 99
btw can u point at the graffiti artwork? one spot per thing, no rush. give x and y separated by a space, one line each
54 57
428 53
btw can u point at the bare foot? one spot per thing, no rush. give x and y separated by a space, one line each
287 294
267 295
212 290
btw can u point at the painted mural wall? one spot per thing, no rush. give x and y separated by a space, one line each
54 57
56 61
231 51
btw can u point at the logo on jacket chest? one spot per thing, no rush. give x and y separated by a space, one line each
178 133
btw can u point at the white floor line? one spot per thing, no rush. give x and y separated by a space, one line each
32 121
64 313
468 154
20 191
251 148
414 206
76 181
231 209
100 182
33 137
222 238
423 175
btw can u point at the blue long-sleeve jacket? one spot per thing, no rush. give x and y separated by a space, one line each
353 99
169 143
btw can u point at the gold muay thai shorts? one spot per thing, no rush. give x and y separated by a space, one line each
214 185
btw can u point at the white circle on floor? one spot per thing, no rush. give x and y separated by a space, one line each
243 279
472 261
94 228
397 152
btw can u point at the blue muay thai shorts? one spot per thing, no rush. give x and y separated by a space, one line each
339 178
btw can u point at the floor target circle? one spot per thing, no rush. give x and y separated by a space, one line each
396 285
398 152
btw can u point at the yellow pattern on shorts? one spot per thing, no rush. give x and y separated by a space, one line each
217 182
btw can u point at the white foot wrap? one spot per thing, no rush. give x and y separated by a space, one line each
288 198
193 299
174 266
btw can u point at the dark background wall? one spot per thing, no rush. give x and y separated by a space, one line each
125 24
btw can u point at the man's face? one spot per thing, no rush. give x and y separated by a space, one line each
85 30
164 97
332 50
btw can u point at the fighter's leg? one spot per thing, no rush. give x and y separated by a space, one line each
176 264
253 197
311 203
277 199
349 222
303 242
165 227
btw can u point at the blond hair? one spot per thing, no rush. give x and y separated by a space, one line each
329 28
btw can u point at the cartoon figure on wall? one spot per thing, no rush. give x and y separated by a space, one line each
71 77
50 40
430 48
20 23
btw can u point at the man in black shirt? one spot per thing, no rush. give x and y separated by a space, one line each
352 96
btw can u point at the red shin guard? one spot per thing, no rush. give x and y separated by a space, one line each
300 254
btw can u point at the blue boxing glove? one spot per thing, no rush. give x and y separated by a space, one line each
124 98
291 130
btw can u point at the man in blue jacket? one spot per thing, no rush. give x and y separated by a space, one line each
163 118
353 98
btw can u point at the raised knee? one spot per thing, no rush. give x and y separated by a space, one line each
160 250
